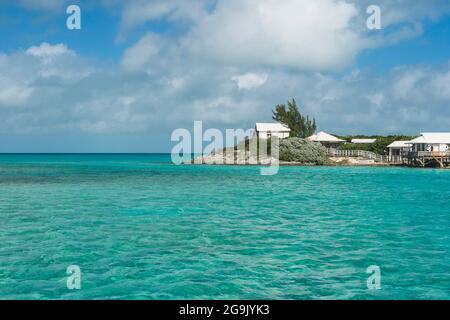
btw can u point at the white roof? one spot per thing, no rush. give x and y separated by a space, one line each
324 137
433 138
272 127
363 140
400 144
417 140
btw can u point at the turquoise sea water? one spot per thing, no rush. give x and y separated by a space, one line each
142 228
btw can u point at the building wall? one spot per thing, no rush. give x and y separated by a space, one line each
281 135
394 151
442 147
398 150
333 145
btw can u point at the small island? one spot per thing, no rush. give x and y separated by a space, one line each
297 143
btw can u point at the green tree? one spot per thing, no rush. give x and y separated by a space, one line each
301 127
303 151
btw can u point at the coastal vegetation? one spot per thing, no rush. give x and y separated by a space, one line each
301 145
296 150
303 151
301 126
378 147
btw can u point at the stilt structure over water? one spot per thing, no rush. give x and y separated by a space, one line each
427 150
430 150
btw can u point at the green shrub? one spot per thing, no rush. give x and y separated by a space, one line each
303 151
379 147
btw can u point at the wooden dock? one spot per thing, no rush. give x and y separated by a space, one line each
428 159
412 159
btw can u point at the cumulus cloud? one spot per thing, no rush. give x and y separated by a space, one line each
13 94
145 51
441 85
56 61
233 63
46 50
376 99
406 82
308 35
407 99
250 80
222 110
138 12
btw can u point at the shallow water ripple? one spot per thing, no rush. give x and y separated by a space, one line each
141 228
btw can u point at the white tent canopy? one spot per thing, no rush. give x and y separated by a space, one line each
324 137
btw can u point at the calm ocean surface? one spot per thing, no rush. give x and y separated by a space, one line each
142 228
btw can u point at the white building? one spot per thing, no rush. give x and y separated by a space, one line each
268 130
364 141
397 148
326 139
432 142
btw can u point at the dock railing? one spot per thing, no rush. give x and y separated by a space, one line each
359 154
428 154
433 153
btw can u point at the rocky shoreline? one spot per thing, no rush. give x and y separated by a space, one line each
217 159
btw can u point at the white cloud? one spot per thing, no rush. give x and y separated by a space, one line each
169 82
441 85
307 35
13 94
138 12
48 50
177 82
223 110
57 61
405 85
376 99
111 101
250 80
145 51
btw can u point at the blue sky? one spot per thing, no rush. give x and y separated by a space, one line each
137 70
